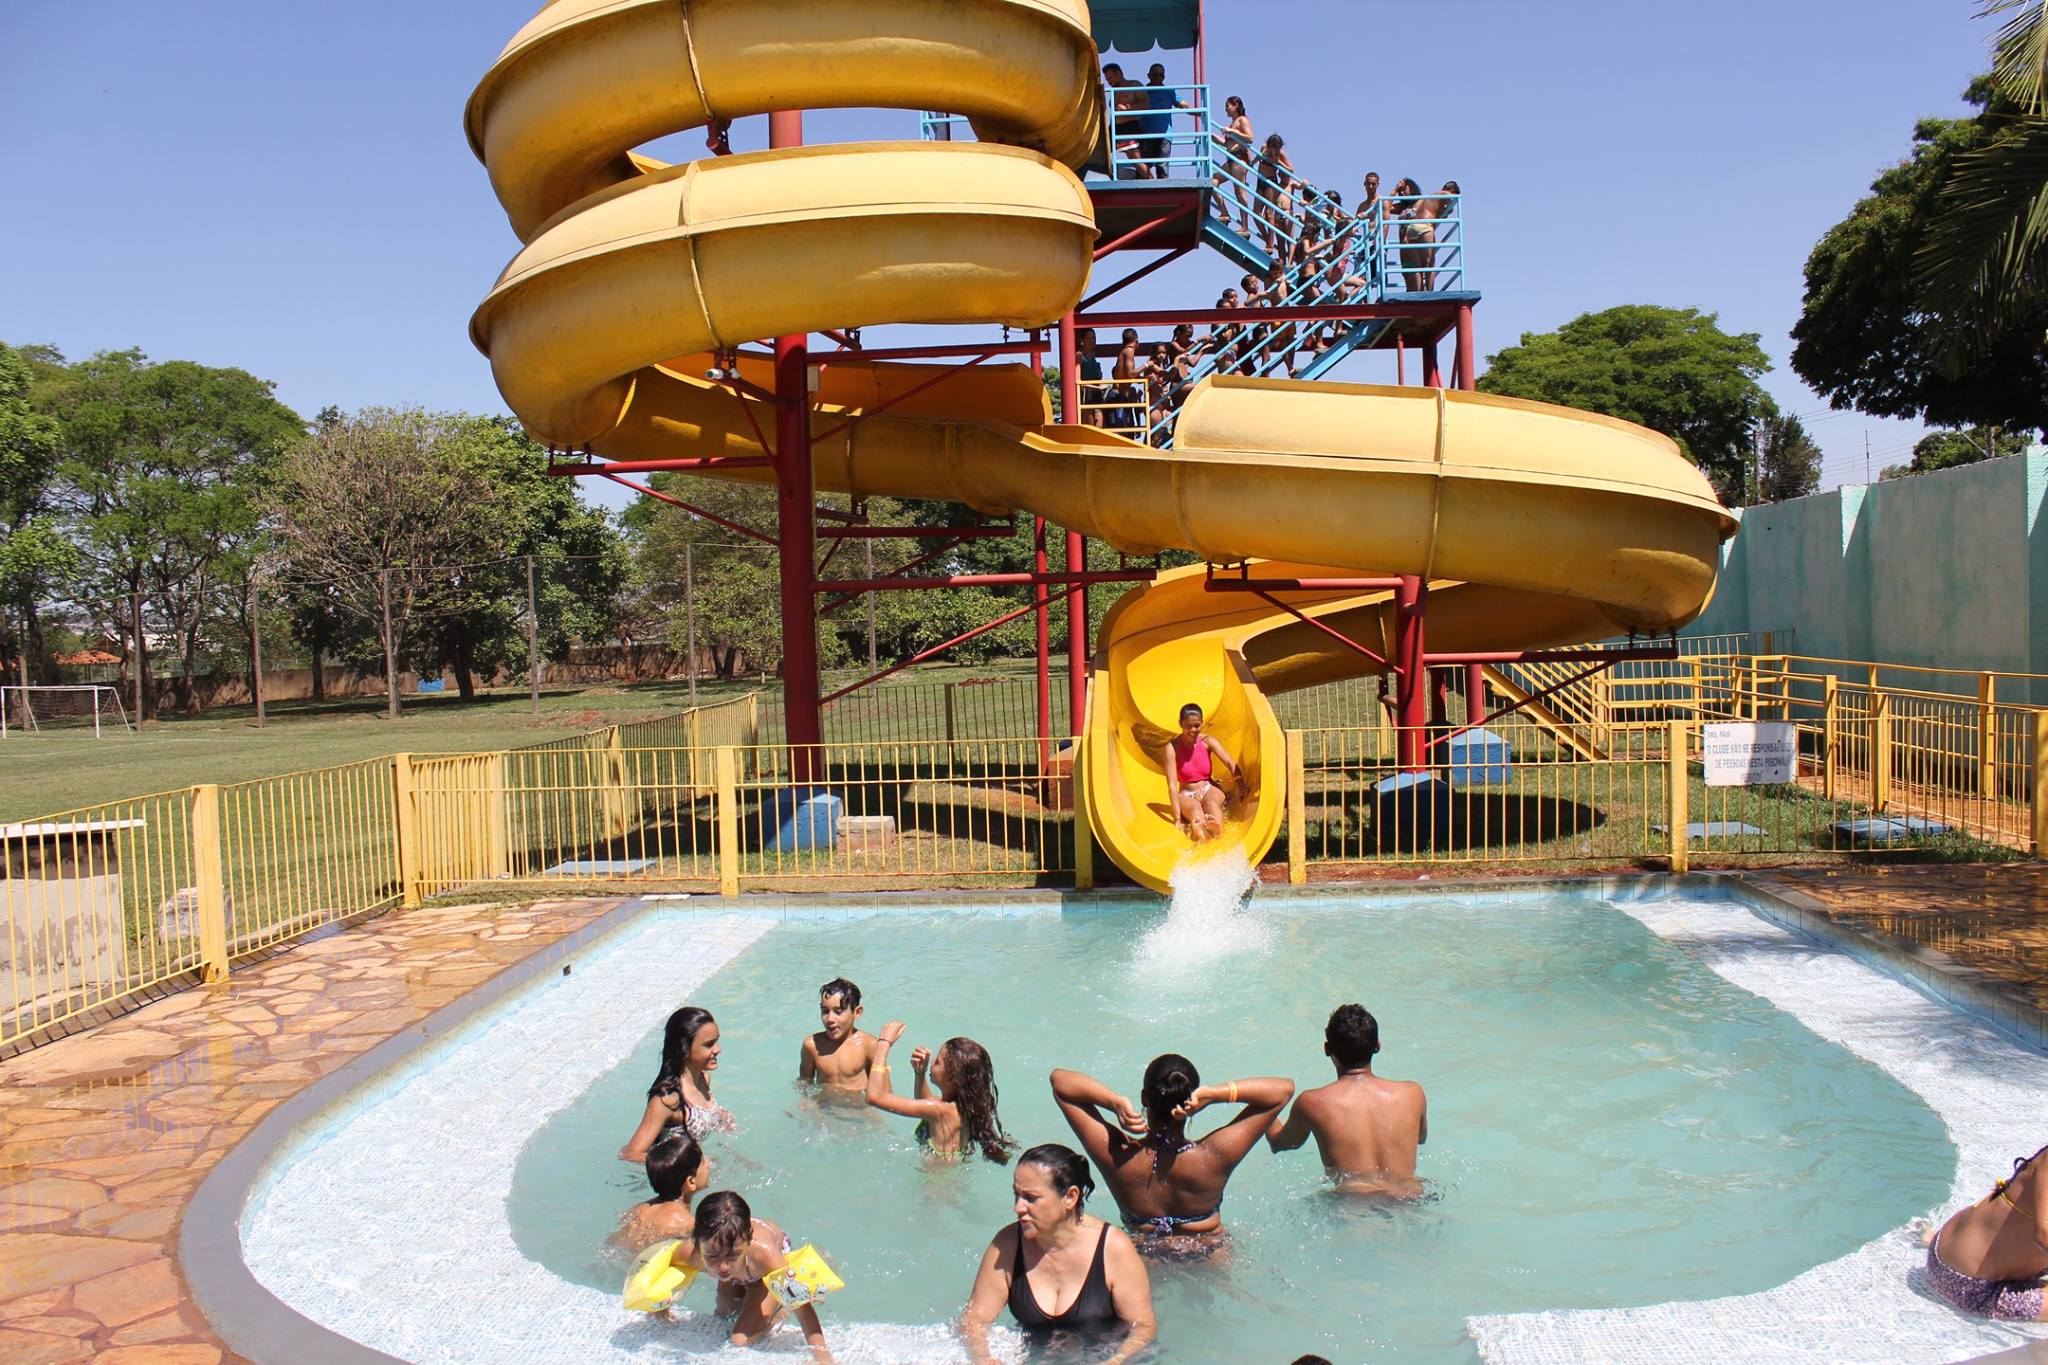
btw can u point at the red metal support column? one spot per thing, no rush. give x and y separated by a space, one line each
1432 373
1412 713
1475 694
1077 544
1400 360
1467 376
1041 615
796 526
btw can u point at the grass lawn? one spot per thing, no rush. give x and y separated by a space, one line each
61 770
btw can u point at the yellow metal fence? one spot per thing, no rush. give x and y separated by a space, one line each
106 903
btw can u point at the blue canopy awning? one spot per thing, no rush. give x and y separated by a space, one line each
1141 25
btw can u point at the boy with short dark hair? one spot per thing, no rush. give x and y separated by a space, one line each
1366 1128
839 1054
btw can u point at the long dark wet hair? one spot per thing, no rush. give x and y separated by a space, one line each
676 1036
971 1086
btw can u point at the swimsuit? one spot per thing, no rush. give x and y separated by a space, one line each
1167 1224
698 1120
1093 1307
2014 1300
1192 766
923 1134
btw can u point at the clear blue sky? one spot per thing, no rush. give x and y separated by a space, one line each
285 187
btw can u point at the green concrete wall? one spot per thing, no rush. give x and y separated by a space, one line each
1946 570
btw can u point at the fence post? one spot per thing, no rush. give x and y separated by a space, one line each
497 829
614 795
753 719
1084 838
728 821
1699 703
405 819
1676 782
208 883
1831 715
1297 811
949 713
1987 736
2040 789
1880 751
695 739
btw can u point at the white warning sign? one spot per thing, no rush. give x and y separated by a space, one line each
1750 753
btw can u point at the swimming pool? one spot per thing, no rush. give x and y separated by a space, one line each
1613 1123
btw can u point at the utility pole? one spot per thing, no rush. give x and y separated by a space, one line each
1756 461
1866 454
690 618
532 638
255 652
141 657
390 647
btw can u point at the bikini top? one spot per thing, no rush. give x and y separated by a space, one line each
1092 1307
2003 1189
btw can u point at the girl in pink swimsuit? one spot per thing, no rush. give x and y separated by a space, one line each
1191 790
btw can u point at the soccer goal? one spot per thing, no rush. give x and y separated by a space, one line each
33 709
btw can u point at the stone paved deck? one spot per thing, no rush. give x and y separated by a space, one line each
1993 918
104 1135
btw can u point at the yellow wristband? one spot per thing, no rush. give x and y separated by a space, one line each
1233 1092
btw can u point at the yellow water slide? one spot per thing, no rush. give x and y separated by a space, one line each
1534 525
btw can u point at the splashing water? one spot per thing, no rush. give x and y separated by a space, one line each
1207 918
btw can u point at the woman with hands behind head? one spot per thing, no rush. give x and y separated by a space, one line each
1168 1187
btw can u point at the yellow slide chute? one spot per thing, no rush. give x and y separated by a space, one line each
1534 525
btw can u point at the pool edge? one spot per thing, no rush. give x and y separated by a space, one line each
257 1324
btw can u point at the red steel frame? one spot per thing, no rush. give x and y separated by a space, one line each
797 531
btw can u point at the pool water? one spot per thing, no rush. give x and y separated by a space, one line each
1611 1123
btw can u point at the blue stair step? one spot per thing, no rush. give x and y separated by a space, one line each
1246 254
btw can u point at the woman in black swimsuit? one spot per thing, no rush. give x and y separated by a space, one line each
1057 1254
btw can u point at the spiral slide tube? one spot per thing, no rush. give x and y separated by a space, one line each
1534 525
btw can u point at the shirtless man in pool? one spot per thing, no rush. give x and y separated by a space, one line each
1366 1128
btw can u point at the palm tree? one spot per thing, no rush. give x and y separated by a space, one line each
1983 267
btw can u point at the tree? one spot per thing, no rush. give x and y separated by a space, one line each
381 508
1865 339
34 552
1788 460
1670 369
580 563
1983 271
163 467
1950 447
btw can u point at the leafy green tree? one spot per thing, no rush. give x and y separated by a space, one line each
163 467
1983 271
1788 460
1947 448
580 564
34 553
1867 340
379 509
1670 369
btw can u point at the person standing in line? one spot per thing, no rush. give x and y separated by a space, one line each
1234 156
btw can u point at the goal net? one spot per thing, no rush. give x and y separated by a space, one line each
85 707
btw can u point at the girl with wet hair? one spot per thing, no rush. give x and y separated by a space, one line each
955 1108
740 1251
1058 1268
681 1092
676 1170
1168 1186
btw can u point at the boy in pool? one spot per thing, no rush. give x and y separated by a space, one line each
678 1170
839 1054
1366 1128
740 1251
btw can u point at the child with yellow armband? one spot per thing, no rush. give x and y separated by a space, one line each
759 1272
